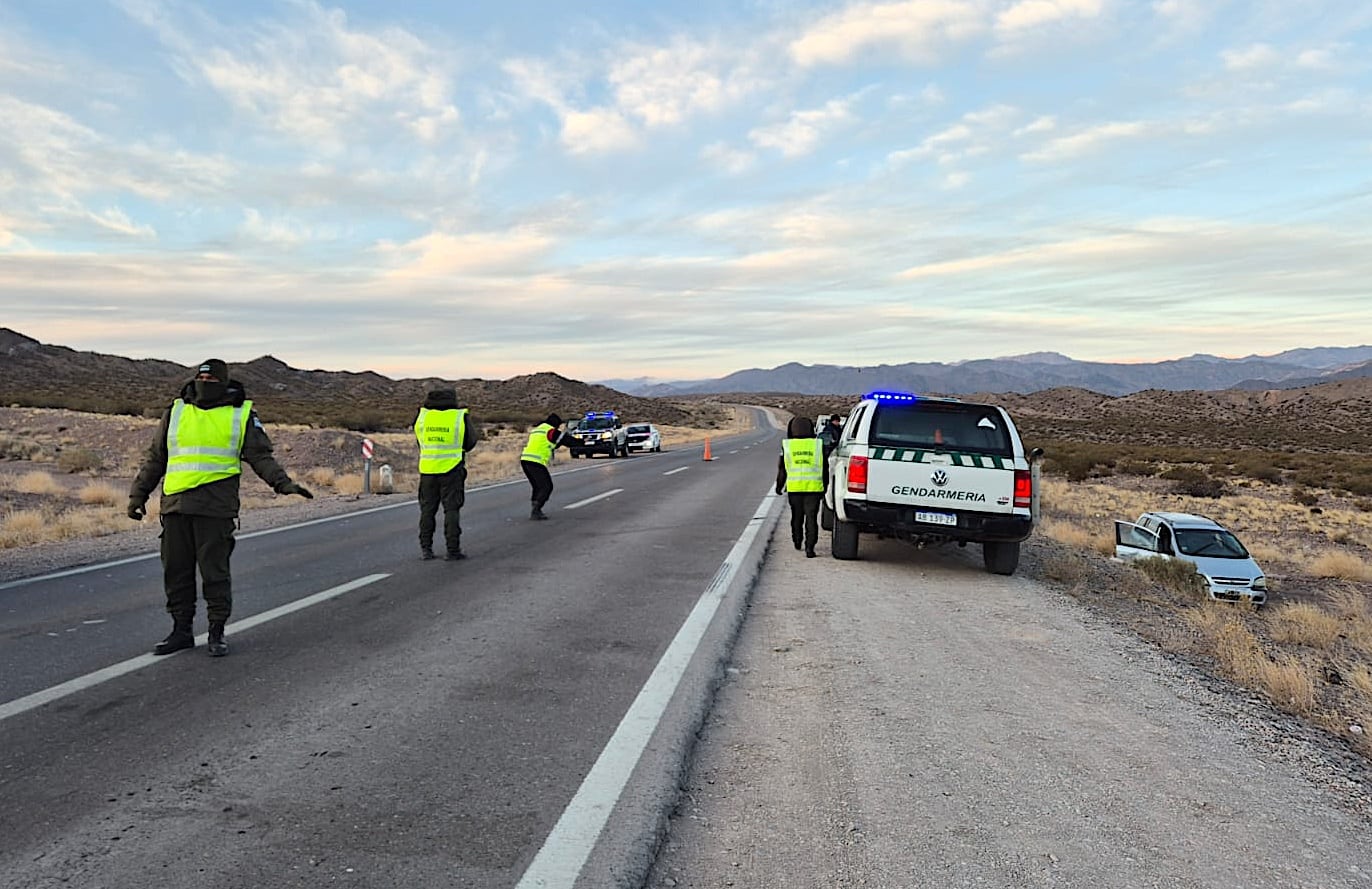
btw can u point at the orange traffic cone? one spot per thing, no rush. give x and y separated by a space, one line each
707 450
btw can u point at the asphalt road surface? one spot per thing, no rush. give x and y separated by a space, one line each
380 721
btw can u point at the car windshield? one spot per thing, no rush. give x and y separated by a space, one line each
940 426
638 430
1214 543
597 423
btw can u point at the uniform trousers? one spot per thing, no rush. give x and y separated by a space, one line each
805 517
196 541
450 491
541 480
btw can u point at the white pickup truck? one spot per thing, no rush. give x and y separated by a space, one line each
932 470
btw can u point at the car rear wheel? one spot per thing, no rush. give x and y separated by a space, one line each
844 542
1001 558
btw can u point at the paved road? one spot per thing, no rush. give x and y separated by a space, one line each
426 726
909 720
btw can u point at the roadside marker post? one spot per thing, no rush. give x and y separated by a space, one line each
367 449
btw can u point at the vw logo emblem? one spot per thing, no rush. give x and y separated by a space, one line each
939 478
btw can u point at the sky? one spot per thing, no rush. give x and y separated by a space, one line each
678 190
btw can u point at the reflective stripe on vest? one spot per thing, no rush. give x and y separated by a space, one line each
539 450
203 446
804 474
440 435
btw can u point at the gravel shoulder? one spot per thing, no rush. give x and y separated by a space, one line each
910 720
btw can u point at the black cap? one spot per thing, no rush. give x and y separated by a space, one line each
215 368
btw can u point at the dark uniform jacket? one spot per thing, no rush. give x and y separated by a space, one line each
216 499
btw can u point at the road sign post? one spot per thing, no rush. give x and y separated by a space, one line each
367 449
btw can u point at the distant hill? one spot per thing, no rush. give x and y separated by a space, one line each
1035 372
33 374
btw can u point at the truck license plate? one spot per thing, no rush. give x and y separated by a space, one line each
936 518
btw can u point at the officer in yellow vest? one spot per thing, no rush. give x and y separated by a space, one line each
800 472
538 453
197 453
445 434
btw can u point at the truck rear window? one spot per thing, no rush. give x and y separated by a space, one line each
966 428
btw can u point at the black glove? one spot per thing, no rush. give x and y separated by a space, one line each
137 509
778 489
293 488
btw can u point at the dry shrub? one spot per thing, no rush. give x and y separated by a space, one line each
1288 682
1175 574
100 494
1076 535
1359 678
1342 565
88 523
1064 568
1348 602
12 448
38 482
73 460
1266 553
1208 620
1237 650
348 484
321 476
24 527
1304 624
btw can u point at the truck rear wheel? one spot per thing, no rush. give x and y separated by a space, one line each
1000 557
844 542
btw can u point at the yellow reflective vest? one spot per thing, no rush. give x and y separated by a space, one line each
203 446
804 472
440 435
539 450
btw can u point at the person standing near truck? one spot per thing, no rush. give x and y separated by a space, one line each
538 453
801 475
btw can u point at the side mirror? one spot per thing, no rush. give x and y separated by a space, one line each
1036 455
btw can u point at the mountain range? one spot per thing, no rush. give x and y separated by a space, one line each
1033 372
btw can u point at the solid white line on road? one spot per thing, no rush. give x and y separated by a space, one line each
581 503
558 863
675 471
114 671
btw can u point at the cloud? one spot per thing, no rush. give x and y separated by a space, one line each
802 132
444 255
729 160
316 79
1257 56
667 85
1092 138
918 31
1031 14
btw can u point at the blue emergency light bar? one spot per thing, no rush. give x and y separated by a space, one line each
882 395
593 415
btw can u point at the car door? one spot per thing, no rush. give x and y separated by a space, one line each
1134 541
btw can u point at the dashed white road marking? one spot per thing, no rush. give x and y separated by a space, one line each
581 503
675 471
114 671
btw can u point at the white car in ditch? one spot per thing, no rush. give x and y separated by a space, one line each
1229 572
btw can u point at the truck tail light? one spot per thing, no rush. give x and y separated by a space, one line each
857 475
1024 488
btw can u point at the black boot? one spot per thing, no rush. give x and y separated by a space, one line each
180 637
216 646
426 552
537 514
